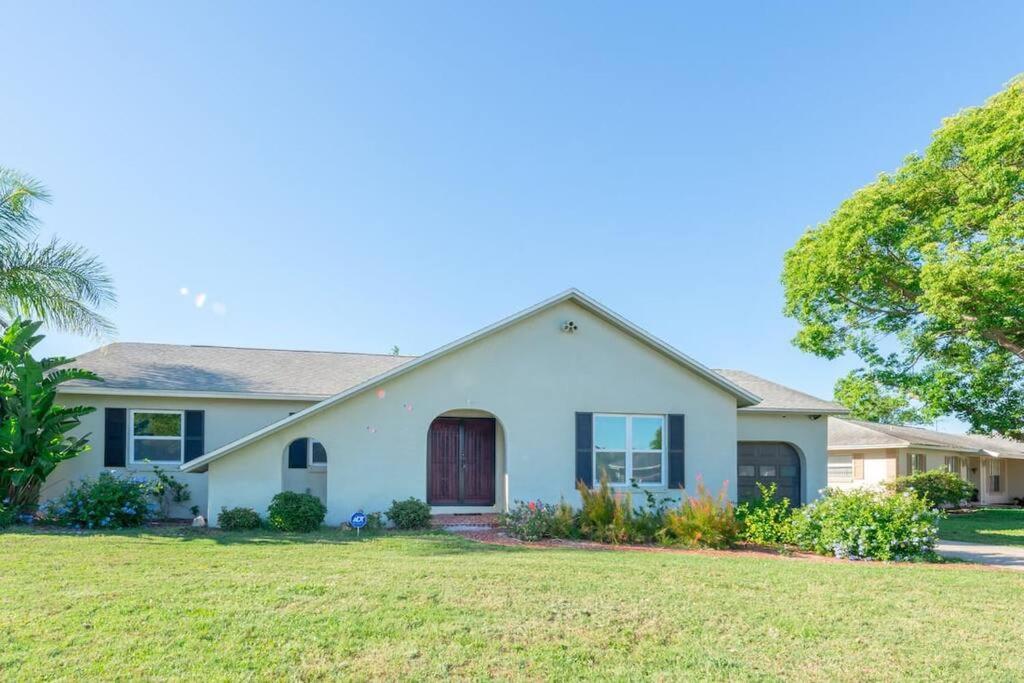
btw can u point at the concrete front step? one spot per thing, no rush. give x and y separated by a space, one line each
482 521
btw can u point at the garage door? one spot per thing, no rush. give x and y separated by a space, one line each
768 463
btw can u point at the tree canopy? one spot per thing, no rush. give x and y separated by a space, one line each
56 282
921 275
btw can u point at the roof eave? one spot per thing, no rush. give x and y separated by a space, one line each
176 393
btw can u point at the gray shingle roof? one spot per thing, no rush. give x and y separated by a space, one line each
846 432
170 367
776 397
224 369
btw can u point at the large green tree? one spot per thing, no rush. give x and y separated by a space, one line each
921 275
56 282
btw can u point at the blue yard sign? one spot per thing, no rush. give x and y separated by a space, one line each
357 521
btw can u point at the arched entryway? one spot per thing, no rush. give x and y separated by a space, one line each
305 468
465 460
767 463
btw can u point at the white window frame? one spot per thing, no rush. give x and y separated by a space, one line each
309 455
132 437
629 450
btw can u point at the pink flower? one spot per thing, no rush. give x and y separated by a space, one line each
532 506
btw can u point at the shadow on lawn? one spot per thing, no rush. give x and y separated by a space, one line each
421 543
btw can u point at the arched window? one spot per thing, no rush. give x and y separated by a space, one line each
306 453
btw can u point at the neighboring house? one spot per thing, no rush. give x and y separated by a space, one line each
564 391
868 454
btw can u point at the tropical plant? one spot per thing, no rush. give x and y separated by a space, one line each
940 488
920 275
56 282
702 520
767 520
291 511
864 524
33 428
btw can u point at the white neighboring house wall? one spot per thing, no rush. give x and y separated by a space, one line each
225 421
808 433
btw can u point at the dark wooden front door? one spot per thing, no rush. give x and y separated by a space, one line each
460 461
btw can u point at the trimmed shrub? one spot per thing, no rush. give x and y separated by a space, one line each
863 524
238 519
106 502
702 521
290 511
940 488
534 520
411 513
768 520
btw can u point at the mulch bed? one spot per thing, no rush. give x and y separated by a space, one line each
499 537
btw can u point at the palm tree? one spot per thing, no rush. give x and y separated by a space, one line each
59 283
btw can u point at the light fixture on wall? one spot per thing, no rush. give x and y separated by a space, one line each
569 326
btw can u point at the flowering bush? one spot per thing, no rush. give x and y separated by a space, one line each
768 520
606 516
941 488
106 502
702 520
534 520
862 524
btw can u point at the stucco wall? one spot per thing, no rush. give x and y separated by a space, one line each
225 421
533 378
810 437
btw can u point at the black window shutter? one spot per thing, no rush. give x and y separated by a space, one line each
585 449
297 454
195 434
115 437
676 451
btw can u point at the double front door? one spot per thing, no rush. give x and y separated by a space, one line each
460 461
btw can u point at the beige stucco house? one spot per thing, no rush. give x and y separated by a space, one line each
562 392
869 454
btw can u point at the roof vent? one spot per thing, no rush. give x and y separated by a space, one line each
569 326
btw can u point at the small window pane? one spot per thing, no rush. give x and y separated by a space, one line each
157 424
747 471
647 468
157 450
647 433
319 454
611 465
788 470
768 471
610 433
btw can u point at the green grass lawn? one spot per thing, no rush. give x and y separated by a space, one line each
214 606
1001 526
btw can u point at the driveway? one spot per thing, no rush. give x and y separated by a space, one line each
1011 557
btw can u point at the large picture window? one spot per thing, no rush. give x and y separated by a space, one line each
629 448
155 436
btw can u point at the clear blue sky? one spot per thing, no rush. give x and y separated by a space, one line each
349 176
